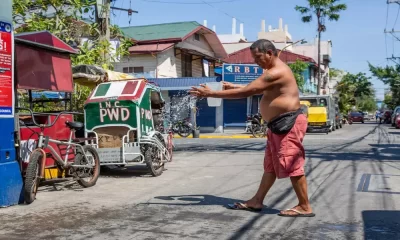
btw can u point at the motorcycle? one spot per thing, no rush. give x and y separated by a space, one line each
182 127
253 125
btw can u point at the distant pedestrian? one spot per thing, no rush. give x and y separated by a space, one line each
287 125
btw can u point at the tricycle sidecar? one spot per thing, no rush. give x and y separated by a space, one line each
126 119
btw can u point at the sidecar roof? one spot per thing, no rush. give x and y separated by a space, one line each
132 90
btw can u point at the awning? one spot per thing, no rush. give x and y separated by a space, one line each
197 53
218 70
44 39
181 83
43 62
150 48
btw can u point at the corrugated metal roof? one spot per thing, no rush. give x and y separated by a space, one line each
181 83
234 47
160 31
244 57
150 48
122 90
173 33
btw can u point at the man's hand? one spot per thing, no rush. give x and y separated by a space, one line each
202 91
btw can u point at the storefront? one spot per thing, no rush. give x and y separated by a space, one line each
179 105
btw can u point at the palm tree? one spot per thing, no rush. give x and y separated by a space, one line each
322 9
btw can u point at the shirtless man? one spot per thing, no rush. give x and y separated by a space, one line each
287 125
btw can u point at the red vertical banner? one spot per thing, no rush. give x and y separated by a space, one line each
6 70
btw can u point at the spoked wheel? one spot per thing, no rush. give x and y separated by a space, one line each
87 177
32 177
184 130
153 158
258 131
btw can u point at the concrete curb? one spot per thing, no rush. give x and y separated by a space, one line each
221 136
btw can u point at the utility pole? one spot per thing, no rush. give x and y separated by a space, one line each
393 58
102 11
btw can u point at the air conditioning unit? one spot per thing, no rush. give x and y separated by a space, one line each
326 58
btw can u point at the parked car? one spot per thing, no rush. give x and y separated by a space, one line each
397 122
396 113
365 116
387 116
356 117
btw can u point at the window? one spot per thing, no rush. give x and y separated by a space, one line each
186 65
197 37
133 70
138 69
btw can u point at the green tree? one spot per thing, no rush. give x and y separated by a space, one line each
388 101
322 10
366 104
298 69
389 75
355 90
72 22
333 72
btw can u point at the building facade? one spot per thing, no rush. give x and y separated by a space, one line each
176 56
311 50
171 50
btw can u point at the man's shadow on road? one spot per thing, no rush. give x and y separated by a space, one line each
205 200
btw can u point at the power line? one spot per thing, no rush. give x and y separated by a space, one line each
398 11
190 3
386 45
387 15
393 58
221 11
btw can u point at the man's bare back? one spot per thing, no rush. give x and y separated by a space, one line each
280 96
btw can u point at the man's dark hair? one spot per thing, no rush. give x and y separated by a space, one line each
263 46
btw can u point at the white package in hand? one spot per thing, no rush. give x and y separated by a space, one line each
215 86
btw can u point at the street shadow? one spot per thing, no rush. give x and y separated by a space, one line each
233 147
381 224
124 172
59 184
204 200
394 133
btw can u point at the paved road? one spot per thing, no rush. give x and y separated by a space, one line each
353 176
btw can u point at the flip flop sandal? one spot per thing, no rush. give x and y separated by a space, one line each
299 214
242 206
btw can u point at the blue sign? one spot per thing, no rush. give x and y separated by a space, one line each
241 73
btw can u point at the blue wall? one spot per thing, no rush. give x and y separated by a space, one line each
235 112
205 116
10 174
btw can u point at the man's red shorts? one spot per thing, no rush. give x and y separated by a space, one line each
284 154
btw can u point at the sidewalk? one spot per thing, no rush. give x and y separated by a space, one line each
225 135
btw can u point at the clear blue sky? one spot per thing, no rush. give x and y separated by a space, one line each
357 37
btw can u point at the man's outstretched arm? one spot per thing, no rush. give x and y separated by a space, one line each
255 87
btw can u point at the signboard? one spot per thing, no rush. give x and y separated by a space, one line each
241 73
146 115
6 70
110 113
